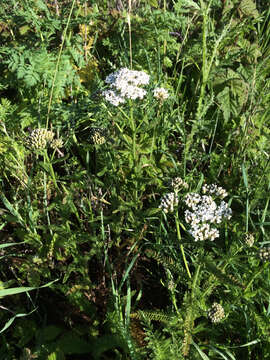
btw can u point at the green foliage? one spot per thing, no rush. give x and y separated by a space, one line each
132 281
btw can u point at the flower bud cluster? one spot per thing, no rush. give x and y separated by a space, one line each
161 94
264 254
204 212
57 143
39 139
249 239
125 84
97 136
177 183
168 202
215 190
216 313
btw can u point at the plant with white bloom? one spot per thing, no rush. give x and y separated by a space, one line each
213 189
204 212
216 313
168 202
161 94
177 183
125 84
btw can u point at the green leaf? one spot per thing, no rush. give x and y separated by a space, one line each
8 323
19 290
203 355
57 355
12 210
224 100
10 244
70 344
248 7
245 178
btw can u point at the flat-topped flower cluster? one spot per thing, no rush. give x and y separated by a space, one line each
128 84
125 84
206 211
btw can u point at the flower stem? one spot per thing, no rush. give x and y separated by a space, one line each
177 222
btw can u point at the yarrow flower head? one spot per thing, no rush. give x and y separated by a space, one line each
57 143
216 313
168 202
177 183
125 84
249 239
215 190
161 94
203 213
39 139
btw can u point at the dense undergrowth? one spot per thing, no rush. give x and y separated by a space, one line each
134 207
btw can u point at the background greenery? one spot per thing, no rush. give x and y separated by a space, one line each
91 267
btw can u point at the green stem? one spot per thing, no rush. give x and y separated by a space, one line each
47 160
45 201
154 133
204 62
181 246
134 155
194 283
58 61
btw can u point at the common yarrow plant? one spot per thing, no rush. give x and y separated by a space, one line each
206 211
125 84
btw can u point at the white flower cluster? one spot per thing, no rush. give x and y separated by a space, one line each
249 239
161 94
168 202
204 211
216 313
125 84
215 190
177 183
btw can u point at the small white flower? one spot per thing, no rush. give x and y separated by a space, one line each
213 189
161 94
112 97
168 202
192 199
249 239
177 183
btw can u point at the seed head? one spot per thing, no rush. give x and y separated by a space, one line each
264 254
57 143
97 136
39 139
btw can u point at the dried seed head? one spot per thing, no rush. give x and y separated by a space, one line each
264 254
57 143
39 139
216 313
97 136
